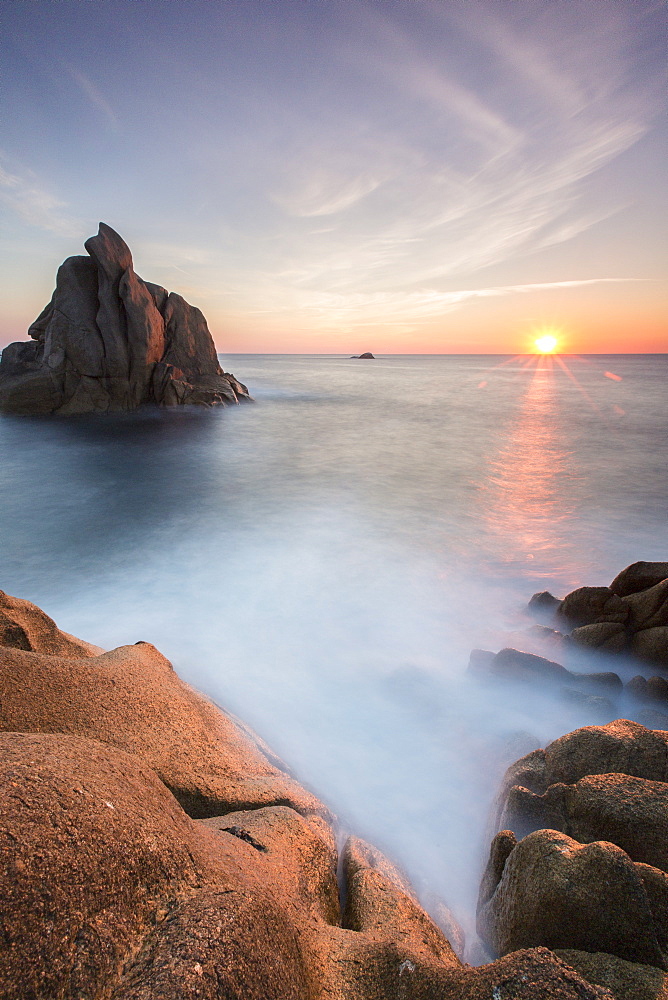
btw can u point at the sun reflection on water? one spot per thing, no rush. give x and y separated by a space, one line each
526 508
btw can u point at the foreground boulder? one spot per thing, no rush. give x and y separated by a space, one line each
132 699
620 747
111 891
580 863
627 811
107 883
109 341
556 892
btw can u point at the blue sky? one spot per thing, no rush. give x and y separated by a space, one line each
331 175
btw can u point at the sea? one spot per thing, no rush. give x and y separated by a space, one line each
323 562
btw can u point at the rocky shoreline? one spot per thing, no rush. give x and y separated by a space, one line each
154 847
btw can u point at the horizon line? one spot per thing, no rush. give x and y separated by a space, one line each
445 354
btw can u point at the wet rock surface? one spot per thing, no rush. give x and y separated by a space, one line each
580 862
110 341
630 616
112 886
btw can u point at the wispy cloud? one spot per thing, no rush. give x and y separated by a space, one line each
330 311
324 192
561 231
433 85
97 99
33 203
480 170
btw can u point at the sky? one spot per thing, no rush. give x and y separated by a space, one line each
338 176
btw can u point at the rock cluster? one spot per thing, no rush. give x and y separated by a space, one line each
109 341
637 620
152 847
580 865
598 691
630 616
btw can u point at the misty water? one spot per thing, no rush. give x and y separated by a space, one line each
323 562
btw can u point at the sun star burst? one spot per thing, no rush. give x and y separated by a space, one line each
546 343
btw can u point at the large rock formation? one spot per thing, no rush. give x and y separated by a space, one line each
151 847
109 341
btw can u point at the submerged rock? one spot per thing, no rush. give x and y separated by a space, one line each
512 665
651 689
544 605
109 341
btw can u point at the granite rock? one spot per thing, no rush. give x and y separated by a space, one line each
630 616
110 341
25 626
620 747
558 893
639 576
589 605
581 861
107 882
630 812
131 699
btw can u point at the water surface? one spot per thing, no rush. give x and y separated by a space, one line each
323 562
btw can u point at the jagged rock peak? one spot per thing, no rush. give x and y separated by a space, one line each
109 341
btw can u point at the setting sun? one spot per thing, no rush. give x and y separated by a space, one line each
546 344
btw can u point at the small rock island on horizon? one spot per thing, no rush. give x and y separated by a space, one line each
109 341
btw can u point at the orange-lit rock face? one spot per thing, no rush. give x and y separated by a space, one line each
132 699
